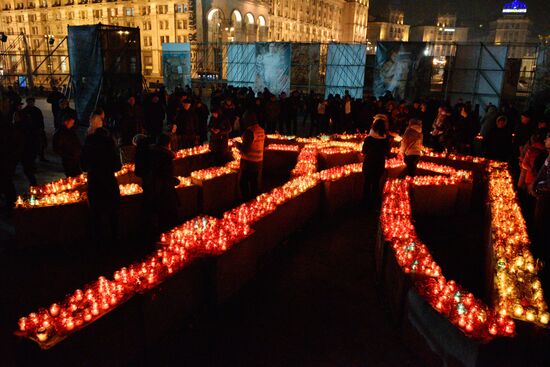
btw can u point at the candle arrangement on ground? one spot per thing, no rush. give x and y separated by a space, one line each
61 185
184 182
61 198
211 173
520 293
283 147
130 189
198 150
307 161
280 137
201 236
519 290
462 309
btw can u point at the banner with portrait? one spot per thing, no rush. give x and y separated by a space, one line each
241 64
273 67
176 65
402 69
305 65
345 69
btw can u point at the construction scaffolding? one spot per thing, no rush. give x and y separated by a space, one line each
34 62
42 61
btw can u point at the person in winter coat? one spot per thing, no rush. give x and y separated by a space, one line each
8 158
100 158
441 128
411 145
67 145
498 143
252 156
219 137
154 117
28 137
202 114
187 125
376 149
131 122
159 186
535 149
37 119
64 109
272 114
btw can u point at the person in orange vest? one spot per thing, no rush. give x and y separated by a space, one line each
252 156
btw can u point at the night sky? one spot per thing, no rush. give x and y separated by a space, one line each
469 12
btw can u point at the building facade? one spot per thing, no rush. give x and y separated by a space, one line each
513 28
44 24
443 35
387 27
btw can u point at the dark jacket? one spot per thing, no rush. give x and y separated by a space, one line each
53 98
67 145
101 160
159 184
58 119
154 118
219 139
542 182
498 144
187 122
376 150
131 123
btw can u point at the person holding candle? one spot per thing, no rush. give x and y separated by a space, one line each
376 148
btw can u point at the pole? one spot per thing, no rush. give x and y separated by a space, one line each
28 68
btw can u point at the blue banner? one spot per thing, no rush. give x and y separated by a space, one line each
345 69
176 65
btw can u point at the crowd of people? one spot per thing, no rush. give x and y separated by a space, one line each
159 124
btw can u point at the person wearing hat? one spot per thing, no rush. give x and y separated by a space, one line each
411 145
67 145
252 156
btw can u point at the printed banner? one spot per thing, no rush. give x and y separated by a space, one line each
176 65
273 67
399 69
306 64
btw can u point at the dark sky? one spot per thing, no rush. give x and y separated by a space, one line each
468 11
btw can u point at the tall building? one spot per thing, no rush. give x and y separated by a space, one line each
512 28
163 21
444 34
319 20
390 26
